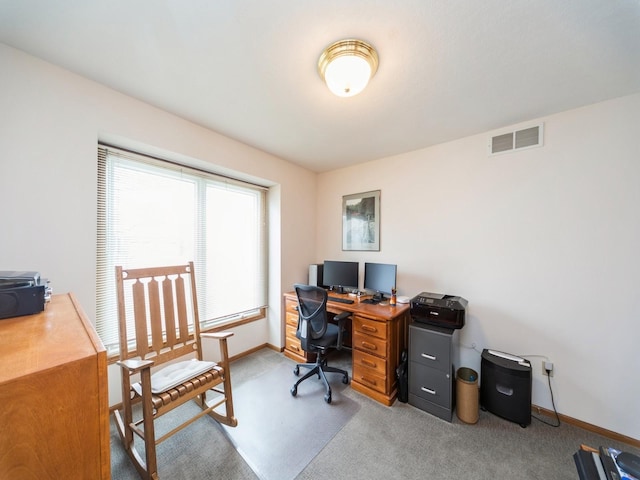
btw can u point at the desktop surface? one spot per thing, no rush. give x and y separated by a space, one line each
361 305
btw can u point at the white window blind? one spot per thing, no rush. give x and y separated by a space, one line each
154 213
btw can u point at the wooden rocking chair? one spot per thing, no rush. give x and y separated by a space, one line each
159 324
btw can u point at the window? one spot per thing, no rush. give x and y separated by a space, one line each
152 213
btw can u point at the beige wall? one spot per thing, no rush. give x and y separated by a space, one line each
542 242
50 124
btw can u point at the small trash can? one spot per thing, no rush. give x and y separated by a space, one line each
467 395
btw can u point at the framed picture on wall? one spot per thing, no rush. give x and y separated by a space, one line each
361 221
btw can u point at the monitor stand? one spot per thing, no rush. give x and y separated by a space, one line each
375 299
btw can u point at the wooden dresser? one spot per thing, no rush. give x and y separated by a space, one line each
54 412
378 336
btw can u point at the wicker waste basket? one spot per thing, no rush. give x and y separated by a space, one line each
467 395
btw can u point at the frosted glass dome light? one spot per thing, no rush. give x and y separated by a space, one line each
347 66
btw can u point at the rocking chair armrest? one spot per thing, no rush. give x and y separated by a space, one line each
218 335
135 366
222 339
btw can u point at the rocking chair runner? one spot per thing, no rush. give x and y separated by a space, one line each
162 303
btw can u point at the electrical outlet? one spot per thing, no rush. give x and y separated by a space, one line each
547 368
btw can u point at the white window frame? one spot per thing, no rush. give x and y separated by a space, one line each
254 307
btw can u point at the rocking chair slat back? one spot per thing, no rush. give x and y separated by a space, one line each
170 320
166 324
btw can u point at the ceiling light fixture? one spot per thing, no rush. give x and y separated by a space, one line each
346 66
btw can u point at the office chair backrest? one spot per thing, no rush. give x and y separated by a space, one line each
312 312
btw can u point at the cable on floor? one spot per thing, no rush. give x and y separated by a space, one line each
554 408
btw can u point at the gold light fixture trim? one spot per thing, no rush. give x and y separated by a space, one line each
346 66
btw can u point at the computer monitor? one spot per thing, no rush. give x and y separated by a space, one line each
380 278
338 275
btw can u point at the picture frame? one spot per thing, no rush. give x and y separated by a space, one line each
361 221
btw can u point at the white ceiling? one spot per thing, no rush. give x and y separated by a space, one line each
247 68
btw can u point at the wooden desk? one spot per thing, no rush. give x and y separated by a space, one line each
379 334
54 411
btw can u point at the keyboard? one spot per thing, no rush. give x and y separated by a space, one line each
340 300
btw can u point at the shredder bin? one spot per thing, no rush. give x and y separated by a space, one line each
506 387
467 395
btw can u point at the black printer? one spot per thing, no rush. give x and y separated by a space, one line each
22 293
438 309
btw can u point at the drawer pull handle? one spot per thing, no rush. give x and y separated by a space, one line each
427 356
368 345
369 363
369 328
295 347
428 390
368 380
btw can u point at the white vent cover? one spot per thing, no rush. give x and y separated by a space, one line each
516 140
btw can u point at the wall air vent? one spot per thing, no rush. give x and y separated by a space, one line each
516 140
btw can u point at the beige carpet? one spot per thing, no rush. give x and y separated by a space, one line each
199 452
377 443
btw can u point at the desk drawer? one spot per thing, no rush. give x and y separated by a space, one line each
370 327
292 342
291 305
366 343
368 377
291 319
290 332
375 364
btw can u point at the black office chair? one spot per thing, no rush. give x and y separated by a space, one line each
317 335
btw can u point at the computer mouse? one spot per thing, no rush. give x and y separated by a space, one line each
629 463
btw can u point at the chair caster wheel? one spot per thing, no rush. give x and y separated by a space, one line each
294 391
345 379
296 371
327 398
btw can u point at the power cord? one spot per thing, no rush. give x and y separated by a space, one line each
552 403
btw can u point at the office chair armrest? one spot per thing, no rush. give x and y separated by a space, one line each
341 318
135 366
